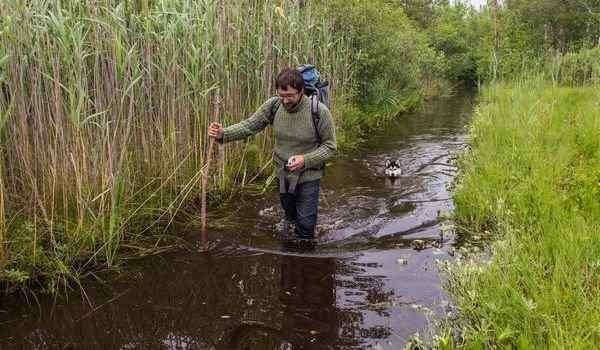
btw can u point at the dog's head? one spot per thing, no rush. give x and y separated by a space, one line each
391 164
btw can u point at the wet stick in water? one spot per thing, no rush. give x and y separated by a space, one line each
211 145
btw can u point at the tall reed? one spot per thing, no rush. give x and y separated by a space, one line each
105 107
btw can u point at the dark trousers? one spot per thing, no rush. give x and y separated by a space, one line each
301 207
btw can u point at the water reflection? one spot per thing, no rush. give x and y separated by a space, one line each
307 294
308 306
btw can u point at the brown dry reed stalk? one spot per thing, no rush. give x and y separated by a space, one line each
105 109
2 223
206 167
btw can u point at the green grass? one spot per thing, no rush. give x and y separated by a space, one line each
532 182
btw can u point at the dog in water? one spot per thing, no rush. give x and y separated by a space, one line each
392 168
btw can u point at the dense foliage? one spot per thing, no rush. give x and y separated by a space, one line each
455 42
391 54
530 32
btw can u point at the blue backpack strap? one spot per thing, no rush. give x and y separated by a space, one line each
316 114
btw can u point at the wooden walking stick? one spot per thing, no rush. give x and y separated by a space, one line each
215 118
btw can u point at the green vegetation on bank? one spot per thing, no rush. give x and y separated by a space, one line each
532 182
577 68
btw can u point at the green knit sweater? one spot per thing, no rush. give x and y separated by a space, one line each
294 134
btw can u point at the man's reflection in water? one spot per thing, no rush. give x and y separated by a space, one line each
310 319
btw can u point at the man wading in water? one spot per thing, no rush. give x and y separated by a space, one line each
299 152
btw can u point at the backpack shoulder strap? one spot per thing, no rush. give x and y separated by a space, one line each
274 108
316 114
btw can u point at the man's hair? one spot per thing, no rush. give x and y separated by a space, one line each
289 77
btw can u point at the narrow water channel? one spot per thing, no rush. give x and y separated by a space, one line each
363 287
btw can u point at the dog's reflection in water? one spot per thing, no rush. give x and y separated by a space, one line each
393 182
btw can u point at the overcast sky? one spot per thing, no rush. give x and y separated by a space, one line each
476 3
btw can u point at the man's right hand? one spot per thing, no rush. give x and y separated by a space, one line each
215 130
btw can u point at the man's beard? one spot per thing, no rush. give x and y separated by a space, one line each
290 106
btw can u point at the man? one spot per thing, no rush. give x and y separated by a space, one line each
299 152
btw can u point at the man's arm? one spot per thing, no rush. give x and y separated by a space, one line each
328 144
256 123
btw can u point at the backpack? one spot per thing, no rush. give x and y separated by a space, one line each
313 86
315 89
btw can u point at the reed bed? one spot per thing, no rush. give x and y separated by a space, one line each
104 107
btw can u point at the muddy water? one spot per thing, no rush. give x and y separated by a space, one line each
363 287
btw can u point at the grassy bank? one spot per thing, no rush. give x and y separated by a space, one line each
531 182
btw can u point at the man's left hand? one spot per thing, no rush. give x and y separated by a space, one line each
296 162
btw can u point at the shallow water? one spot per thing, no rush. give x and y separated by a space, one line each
363 287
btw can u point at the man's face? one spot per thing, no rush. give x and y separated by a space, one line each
289 96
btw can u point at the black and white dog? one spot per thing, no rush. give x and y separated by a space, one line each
392 168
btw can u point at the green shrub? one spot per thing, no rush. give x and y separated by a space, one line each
391 56
453 32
